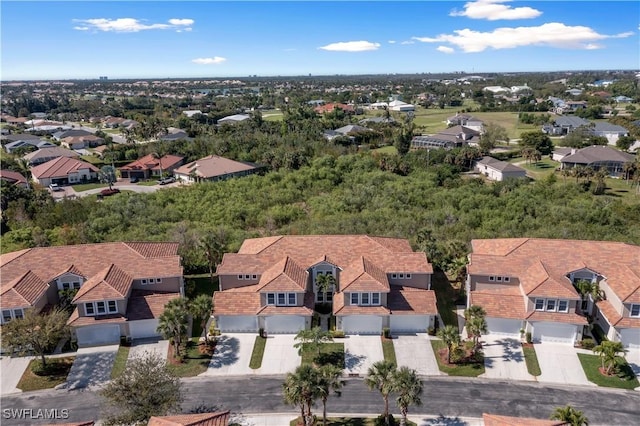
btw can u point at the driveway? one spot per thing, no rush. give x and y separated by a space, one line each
360 352
504 358
232 355
154 346
92 367
559 363
415 351
11 371
280 357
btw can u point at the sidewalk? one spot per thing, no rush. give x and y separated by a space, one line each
280 419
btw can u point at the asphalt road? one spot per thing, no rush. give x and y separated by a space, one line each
447 396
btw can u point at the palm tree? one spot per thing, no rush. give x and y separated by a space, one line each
200 308
312 338
450 337
476 326
474 311
325 282
380 376
589 289
292 393
328 380
173 322
409 388
608 352
570 415
300 388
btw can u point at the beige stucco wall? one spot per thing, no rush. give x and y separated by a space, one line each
416 280
232 281
612 298
479 282
170 284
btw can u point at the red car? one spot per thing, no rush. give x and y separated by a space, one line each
107 192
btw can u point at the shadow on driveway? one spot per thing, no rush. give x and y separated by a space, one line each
353 361
226 352
92 367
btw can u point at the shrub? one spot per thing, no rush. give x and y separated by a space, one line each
386 332
337 334
379 421
588 343
457 355
431 331
529 338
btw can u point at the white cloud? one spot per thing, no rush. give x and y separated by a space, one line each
130 25
391 42
445 49
553 34
494 10
209 61
351 46
408 42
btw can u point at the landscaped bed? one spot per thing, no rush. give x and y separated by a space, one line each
258 352
625 379
531 359
347 421
56 373
467 369
121 361
330 353
388 350
195 361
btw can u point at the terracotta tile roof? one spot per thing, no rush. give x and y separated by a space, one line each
61 167
8 257
618 262
149 163
363 275
12 177
495 420
410 301
89 423
236 303
285 275
360 310
75 320
220 418
212 166
500 304
23 291
147 305
151 249
566 317
536 281
110 283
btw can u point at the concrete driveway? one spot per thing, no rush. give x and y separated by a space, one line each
559 363
360 352
92 367
11 371
415 351
232 355
154 346
504 358
280 357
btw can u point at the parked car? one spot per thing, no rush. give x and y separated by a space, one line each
134 180
107 192
166 180
55 187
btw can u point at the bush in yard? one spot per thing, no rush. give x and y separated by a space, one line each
529 338
337 334
588 343
386 332
431 331
458 354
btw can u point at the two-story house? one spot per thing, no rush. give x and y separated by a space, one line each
122 288
271 283
529 284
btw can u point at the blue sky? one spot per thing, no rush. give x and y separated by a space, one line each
159 39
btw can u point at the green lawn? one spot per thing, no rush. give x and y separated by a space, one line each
622 190
626 379
346 421
272 115
539 170
386 150
120 362
58 369
446 297
258 352
87 186
148 183
96 161
194 362
389 351
531 359
465 370
331 353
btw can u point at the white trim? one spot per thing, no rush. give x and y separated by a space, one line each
631 308
369 302
282 299
103 304
13 314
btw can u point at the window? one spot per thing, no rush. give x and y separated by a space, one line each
584 305
6 316
89 309
158 280
499 279
143 281
401 276
65 286
247 277
282 299
240 277
364 298
254 277
635 310
18 314
492 278
408 276
329 296
271 299
292 299
112 306
101 307
539 304
375 298
354 298
563 306
319 297
394 276
507 279
551 304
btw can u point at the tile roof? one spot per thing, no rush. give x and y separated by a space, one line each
75 320
500 304
23 291
110 283
220 418
236 302
212 166
359 310
596 153
61 167
363 275
614 318
285 275
12 177
147 305
89 423
496 420
566 317
410 301
50 152
148 162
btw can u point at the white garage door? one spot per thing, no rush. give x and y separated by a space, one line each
97 335
281 324
143 329
362 324
409 323
554 332
504 326
630 337
240 324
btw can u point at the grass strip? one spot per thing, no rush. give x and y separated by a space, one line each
258 353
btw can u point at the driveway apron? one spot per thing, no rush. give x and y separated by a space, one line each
280 357
153 346
360 352
11 371
92 367
415 351
559 363
232 355
504 358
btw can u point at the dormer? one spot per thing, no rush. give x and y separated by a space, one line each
71 278
584 274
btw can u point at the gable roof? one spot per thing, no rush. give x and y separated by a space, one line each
110 283
148 162
499 165
61 167
363 275
285 275
596 153
351 128
12 177
51 152
213 165
23 291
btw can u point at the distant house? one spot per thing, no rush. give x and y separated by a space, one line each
322 109
232 119
401 106
574 92
378 105
113 122
19 137
28 145
564 125
175 135
610 131
499 170
467 121
68 133
598 157
80 142
214 168
192 112
64 170
148 166
623 99
9 177
378 120
46 154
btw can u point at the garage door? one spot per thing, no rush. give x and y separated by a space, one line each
362 324
554 332
409 323
242 324
143 329
630 337
98 335
504 326
281 324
